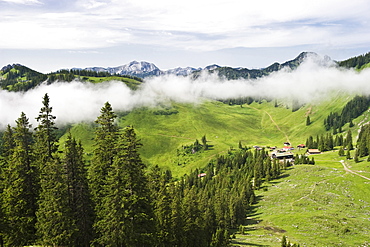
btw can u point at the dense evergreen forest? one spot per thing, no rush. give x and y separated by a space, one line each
356 62
353 109
52 195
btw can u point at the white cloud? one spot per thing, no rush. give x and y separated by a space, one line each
26 2
76 101
196 25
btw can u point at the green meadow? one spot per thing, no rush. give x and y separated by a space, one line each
312 205
165 129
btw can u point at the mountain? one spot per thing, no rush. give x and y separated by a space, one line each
17 77
245 73
139 69
146 69
181 71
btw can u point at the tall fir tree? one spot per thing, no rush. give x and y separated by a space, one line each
7 149
106 136
80 201
46 140
126 217
349 141
20 192
308 121
55 219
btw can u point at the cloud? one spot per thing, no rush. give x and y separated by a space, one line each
78 101
196 25
25 2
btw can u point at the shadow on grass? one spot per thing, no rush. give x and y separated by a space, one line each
236 243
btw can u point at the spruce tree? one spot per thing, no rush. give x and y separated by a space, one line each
46 140
8 144
308 121
348 154
20 192
341 151
7 149
356 156
126 217
106 135
79 203
55 219
348 141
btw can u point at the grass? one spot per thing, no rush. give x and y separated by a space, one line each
318 205
165 129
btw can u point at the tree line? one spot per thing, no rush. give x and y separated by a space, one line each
52 195
353 109
356 62
327 142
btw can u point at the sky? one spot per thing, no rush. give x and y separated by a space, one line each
47 35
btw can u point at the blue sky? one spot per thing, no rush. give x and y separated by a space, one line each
47 35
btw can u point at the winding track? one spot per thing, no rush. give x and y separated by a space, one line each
272 120
350 171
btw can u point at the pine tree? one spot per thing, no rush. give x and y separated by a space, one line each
308 121
79 203
20 192
8 143
7 149
46 140
356 156
348 154
348 141
106 136
341 151
126 217
204 142
55 219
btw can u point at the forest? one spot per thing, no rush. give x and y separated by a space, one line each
53 195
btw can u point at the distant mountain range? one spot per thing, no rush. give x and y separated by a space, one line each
18 77
145 69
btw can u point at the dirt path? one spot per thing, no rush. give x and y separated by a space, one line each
177 137
273 121
350 171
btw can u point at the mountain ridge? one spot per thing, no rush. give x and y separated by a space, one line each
145 69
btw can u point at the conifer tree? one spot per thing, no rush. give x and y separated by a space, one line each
20 192
46 140
308 121
55 220
8 143
79 203
177 217
348 154
348 141
356 156
105 150
341 151
204 142
7 147
126 217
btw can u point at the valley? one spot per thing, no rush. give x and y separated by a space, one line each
210 157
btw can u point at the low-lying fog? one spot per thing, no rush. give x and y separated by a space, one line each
78 101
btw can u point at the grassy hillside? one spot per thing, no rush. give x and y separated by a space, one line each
164 130
320 205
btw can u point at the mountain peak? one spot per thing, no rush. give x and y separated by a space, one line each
11 66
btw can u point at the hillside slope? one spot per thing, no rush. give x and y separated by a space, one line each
165 130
